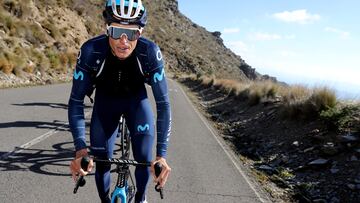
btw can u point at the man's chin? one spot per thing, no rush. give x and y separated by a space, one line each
122 56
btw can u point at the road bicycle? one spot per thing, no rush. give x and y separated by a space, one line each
124 190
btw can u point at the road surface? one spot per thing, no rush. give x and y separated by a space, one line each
36 147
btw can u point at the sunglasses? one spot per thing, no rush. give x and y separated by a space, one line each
131 34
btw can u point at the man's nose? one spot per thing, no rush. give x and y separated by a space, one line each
123 38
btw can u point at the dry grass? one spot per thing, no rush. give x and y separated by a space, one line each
309 103
26 37
50 26
67 60
72 57
12 63
228 86
297 101
8 21
262 91
207 81
252 91
294 93
5 65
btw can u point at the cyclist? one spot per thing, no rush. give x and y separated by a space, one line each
123 62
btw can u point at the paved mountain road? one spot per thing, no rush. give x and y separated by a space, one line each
33 126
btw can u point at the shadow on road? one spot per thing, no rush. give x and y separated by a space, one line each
53 162
45 104
56 124
52 105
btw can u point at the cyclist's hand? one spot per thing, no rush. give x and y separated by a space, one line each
162 178
75 165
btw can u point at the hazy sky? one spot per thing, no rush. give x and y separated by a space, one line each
309 41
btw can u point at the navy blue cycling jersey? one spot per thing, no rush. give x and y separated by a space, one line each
119 79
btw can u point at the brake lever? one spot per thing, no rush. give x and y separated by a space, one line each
81 181
158 169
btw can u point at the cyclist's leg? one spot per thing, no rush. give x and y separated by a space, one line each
141 125
103 132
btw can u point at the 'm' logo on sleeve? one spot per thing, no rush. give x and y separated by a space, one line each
159 77
144 128
78 75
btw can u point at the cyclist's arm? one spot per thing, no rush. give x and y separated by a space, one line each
81 86
159 87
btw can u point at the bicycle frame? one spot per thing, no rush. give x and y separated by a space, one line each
122 190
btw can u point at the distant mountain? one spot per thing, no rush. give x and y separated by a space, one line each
42 37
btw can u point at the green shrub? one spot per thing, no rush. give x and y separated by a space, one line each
198 76
9 22
54 59
342 118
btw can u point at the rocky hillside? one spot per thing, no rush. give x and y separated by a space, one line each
40 39
190 47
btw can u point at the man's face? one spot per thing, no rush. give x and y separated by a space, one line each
122 47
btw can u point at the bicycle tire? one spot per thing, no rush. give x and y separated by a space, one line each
125 139
130 191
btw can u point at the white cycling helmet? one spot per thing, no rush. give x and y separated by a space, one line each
125 12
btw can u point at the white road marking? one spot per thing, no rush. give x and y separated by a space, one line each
173 90
37 140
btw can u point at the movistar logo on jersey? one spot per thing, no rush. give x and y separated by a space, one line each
78 75
158 77
143 128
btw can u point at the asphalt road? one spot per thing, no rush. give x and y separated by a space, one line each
36 147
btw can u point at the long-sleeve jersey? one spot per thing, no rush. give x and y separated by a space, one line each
90 64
